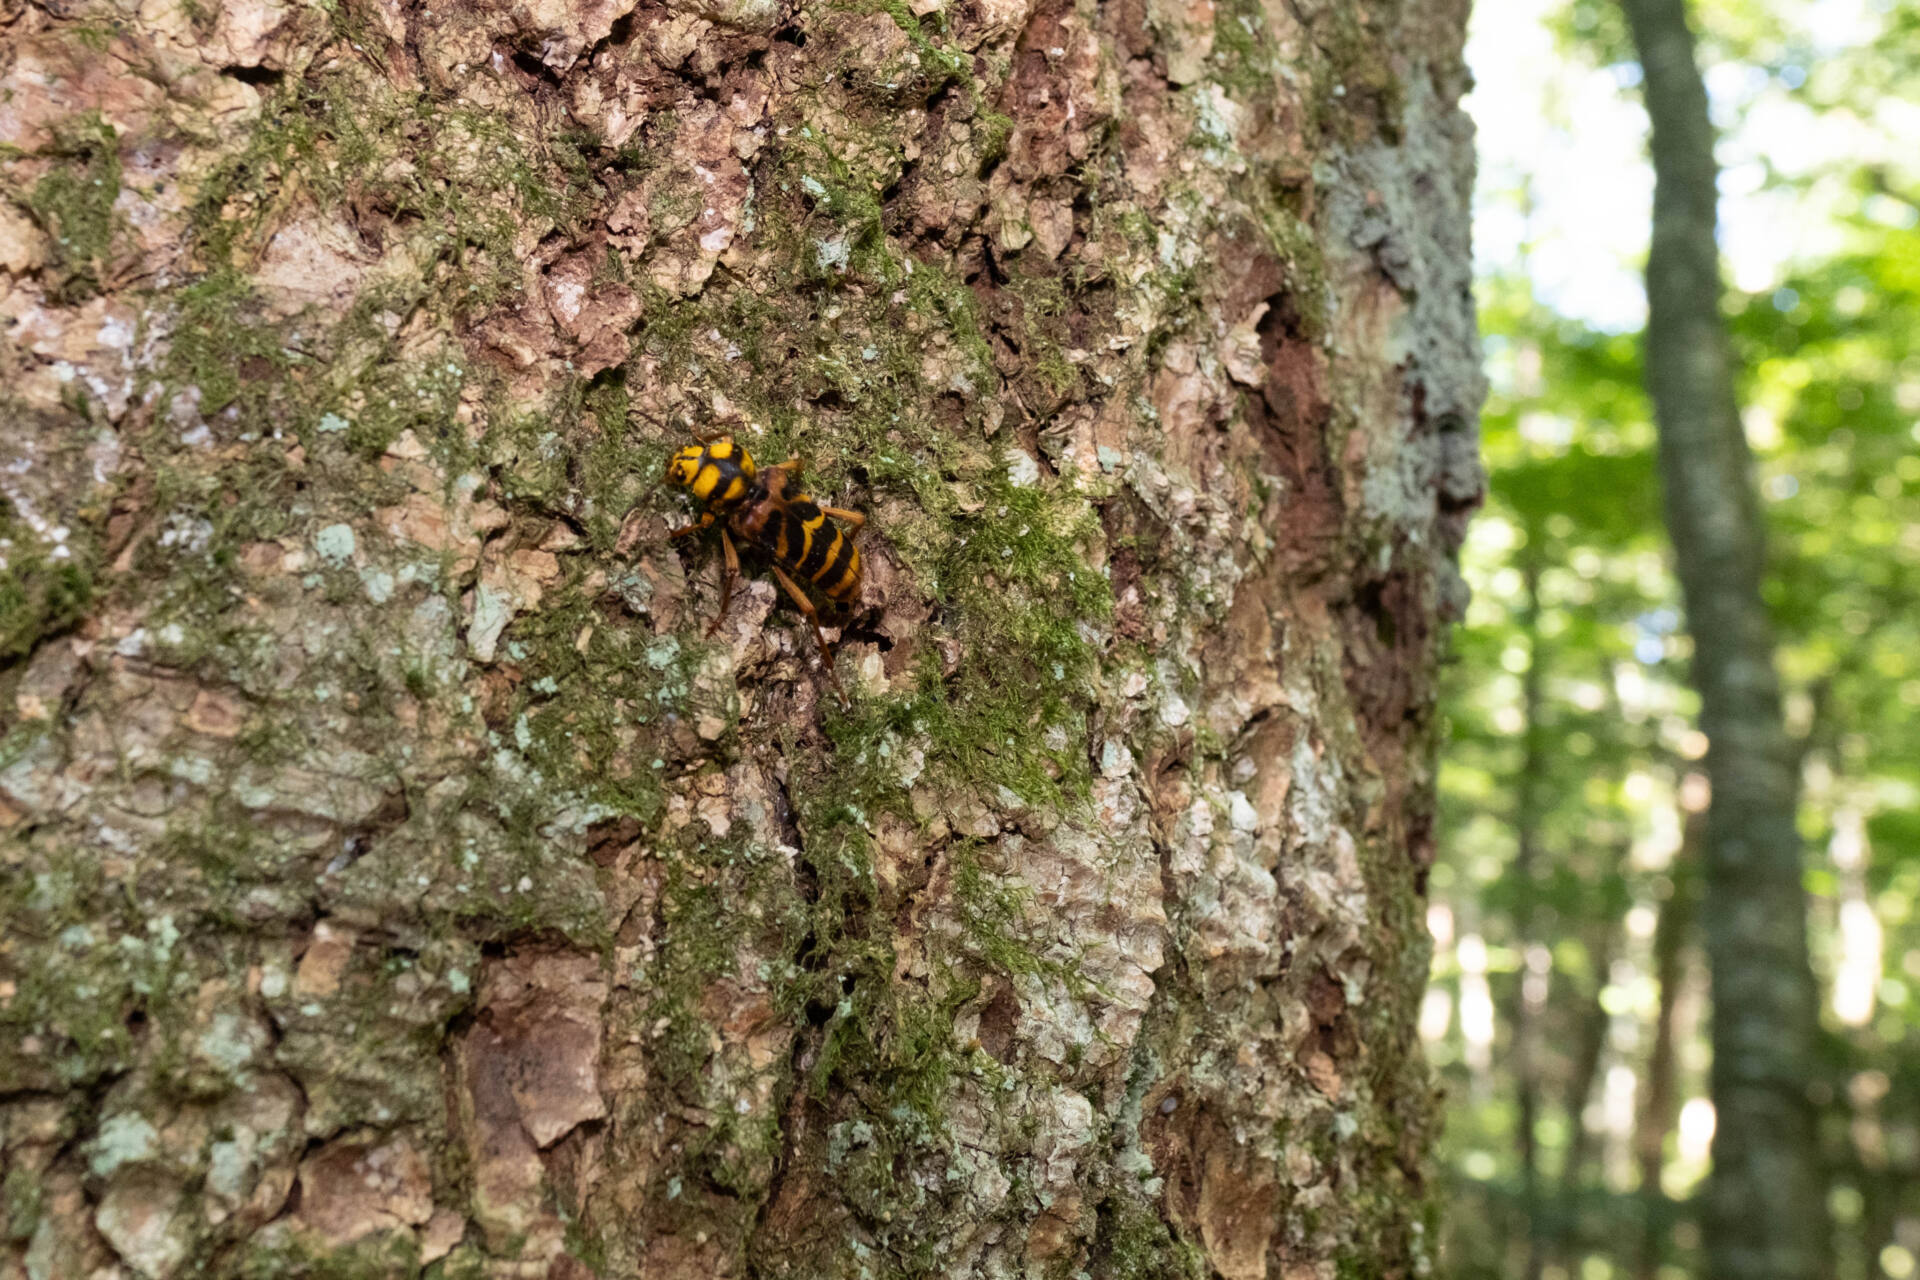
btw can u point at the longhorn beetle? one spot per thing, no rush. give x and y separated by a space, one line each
795 533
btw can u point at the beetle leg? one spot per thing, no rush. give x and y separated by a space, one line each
705 521
853 518
813 617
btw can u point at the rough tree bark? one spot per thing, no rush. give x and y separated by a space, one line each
396 874
1766 1203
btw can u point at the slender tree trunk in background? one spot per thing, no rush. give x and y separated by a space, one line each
1659 1100
1766 1212
1590 1046
1527 1005
1592 1033
394 869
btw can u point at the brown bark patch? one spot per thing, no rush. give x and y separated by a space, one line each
540 1030
695 1257
1388 639
329 952
353 1189
998 1023
1294 410
529 1067
1216 1188
1236 1211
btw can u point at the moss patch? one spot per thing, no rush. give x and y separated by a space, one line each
73 204
43 588
1133 1243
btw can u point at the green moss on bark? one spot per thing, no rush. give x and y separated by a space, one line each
43 588
74 203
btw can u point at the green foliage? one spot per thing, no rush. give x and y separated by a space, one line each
1567 869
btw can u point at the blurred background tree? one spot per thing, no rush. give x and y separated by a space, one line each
1569 1013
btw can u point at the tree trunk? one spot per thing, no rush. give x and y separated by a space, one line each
1659 1100
1766 1212
397 870
1530 987
1592 1022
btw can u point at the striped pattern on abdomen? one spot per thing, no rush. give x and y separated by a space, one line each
802 539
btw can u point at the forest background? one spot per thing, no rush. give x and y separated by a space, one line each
1570 989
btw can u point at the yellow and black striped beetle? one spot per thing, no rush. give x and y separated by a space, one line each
793 531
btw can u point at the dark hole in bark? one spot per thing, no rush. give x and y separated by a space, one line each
532 65
866 636
1283 320
997 1024
995 272
791 35
613 377
893 188
1373 601
606 840
258 77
